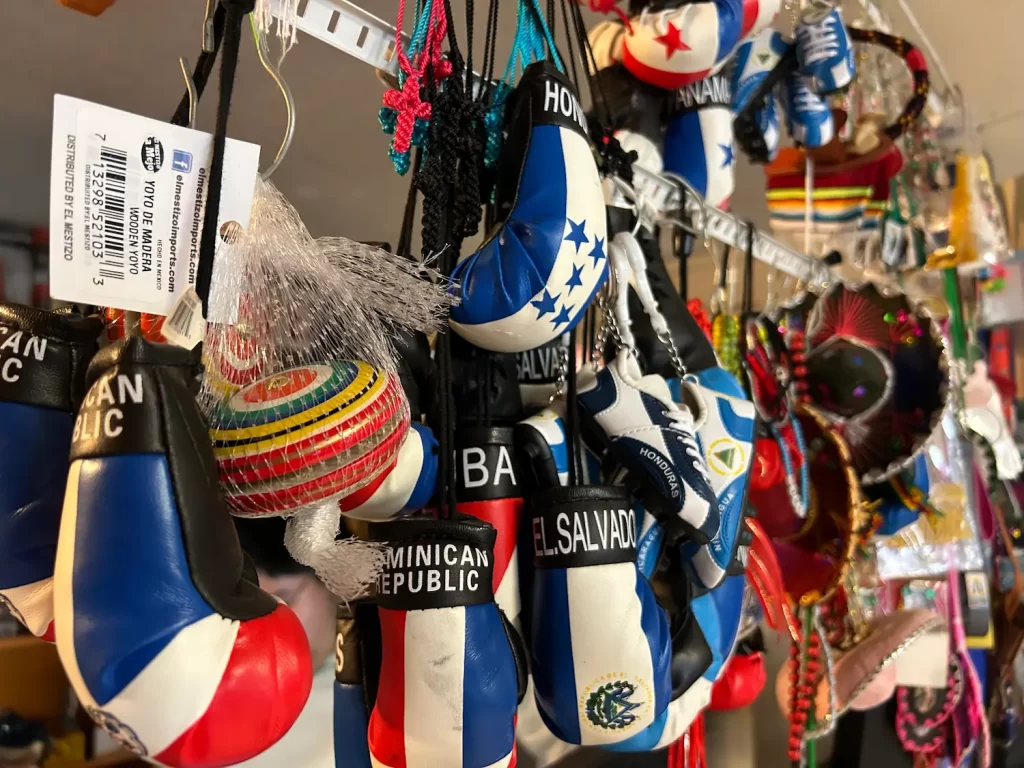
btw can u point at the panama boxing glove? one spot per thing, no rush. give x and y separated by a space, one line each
164 634
534 277
699 141
600 643
453 669
43 358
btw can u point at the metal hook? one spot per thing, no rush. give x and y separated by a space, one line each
680 181
190 86
289 101
208 36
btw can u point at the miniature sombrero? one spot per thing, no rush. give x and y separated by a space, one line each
877 368
306 435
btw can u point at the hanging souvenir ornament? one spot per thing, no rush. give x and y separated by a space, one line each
877 367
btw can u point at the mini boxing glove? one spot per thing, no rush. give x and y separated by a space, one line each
453 668
357 669
534 277
165 636
698 141
43 358
600 643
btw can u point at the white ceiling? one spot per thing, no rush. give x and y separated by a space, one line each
338 174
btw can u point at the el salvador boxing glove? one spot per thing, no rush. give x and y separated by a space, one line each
452 670
165 636
534 277
600 643
43 357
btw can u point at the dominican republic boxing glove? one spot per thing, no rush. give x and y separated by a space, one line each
600 643
698 142
534 277
635 418
165 636
725 421
43 358
453 668
676 43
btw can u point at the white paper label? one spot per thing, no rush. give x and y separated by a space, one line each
925 664
185 325
127 199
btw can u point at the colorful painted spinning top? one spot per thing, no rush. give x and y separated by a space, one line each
306 435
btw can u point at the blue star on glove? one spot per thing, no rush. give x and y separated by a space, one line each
574 280
727 150
545 304
597 253
562 317
576 234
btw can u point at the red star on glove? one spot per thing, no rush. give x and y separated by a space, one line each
672 41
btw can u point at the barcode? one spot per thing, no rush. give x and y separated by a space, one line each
181 318
115 171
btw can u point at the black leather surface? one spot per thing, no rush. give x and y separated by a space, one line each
168 420
44 355
459 528
485 464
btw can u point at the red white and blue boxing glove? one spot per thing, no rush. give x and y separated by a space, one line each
453 669
600 643
534 277
165 636
698 142
43 358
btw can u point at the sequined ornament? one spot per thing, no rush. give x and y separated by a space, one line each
725 338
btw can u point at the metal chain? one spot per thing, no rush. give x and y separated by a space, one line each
677 361
563 372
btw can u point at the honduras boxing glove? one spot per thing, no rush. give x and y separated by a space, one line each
166 638
673 44
534 277
43 357
600 643
725 422
699 141
452 669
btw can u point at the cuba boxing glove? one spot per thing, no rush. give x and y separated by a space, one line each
452 669
600 643
165 636
43 358
698 144
534 277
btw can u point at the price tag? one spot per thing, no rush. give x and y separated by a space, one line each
127 201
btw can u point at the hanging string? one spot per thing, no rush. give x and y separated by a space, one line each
748 272
235 13
572 426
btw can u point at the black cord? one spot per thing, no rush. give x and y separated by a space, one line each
236 11
572 442
204 68
748 272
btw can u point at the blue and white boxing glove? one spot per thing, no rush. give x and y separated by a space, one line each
726 423
43 358
698 144
600 643
534 277
165 636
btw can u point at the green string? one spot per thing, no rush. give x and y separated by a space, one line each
812 747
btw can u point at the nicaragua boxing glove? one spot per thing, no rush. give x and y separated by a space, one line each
164 634
534 277
600 643
452 670
43 358
698 142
